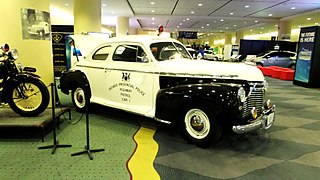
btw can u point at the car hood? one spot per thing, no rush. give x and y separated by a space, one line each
203 68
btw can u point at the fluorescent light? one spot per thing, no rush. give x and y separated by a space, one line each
221 20
152 11
246 6
270 14
192 12
255 21
231 13
152 3
200 5
293 7
208 24
308 19
188 19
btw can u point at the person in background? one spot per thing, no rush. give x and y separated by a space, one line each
200 53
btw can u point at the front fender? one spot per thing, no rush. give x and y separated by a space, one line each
221 98
72 79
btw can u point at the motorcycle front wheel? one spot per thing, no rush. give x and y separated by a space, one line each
29 98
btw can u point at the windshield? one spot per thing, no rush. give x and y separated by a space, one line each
169 50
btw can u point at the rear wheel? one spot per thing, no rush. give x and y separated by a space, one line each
79 99
199 126
29 98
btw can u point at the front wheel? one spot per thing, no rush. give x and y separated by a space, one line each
199 126
29 98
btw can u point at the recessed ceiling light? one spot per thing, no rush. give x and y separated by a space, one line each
316 23
270 14
227 28
180 24
220 30
231 13
245 22
112 12
246 6
200 5
184 20
221 20
104 5
262 28
152 3
152 11
260 32
208 24
251 30
255 21
202 27
192 12
152 22
308 19
276 25
293 7
66 4
214 21
188 19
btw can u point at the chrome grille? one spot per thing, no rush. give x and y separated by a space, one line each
255 99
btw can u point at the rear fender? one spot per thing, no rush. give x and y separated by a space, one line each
72 79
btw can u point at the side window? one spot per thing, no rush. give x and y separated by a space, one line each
102 53
129 53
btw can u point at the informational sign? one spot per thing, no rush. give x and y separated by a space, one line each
59 53
188 35
306 46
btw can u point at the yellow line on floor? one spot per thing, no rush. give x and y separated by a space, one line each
141 163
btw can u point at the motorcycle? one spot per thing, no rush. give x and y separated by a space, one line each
23 90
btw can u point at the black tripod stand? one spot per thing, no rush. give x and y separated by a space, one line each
87 147
54 119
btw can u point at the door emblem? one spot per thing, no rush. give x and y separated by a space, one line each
125 76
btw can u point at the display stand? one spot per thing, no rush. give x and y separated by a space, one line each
87 147
54 119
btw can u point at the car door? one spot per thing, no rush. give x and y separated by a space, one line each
130 75
95 69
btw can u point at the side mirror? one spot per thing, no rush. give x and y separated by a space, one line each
143 58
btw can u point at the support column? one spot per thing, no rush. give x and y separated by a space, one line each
239 36
227 46
122 26
87 16
34 50
211 41
284 31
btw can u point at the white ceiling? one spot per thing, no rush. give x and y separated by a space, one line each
212 16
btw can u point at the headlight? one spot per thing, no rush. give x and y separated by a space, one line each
14 54
242 94
265 85
267 104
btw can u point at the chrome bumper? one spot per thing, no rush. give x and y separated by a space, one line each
263 122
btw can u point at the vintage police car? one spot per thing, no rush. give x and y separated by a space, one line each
156 77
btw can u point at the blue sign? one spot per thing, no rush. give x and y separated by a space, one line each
306 46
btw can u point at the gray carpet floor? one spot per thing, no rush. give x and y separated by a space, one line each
289 150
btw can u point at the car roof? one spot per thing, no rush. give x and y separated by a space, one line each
144 39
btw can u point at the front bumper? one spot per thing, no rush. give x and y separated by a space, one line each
265 121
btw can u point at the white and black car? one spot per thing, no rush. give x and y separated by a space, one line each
156 77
